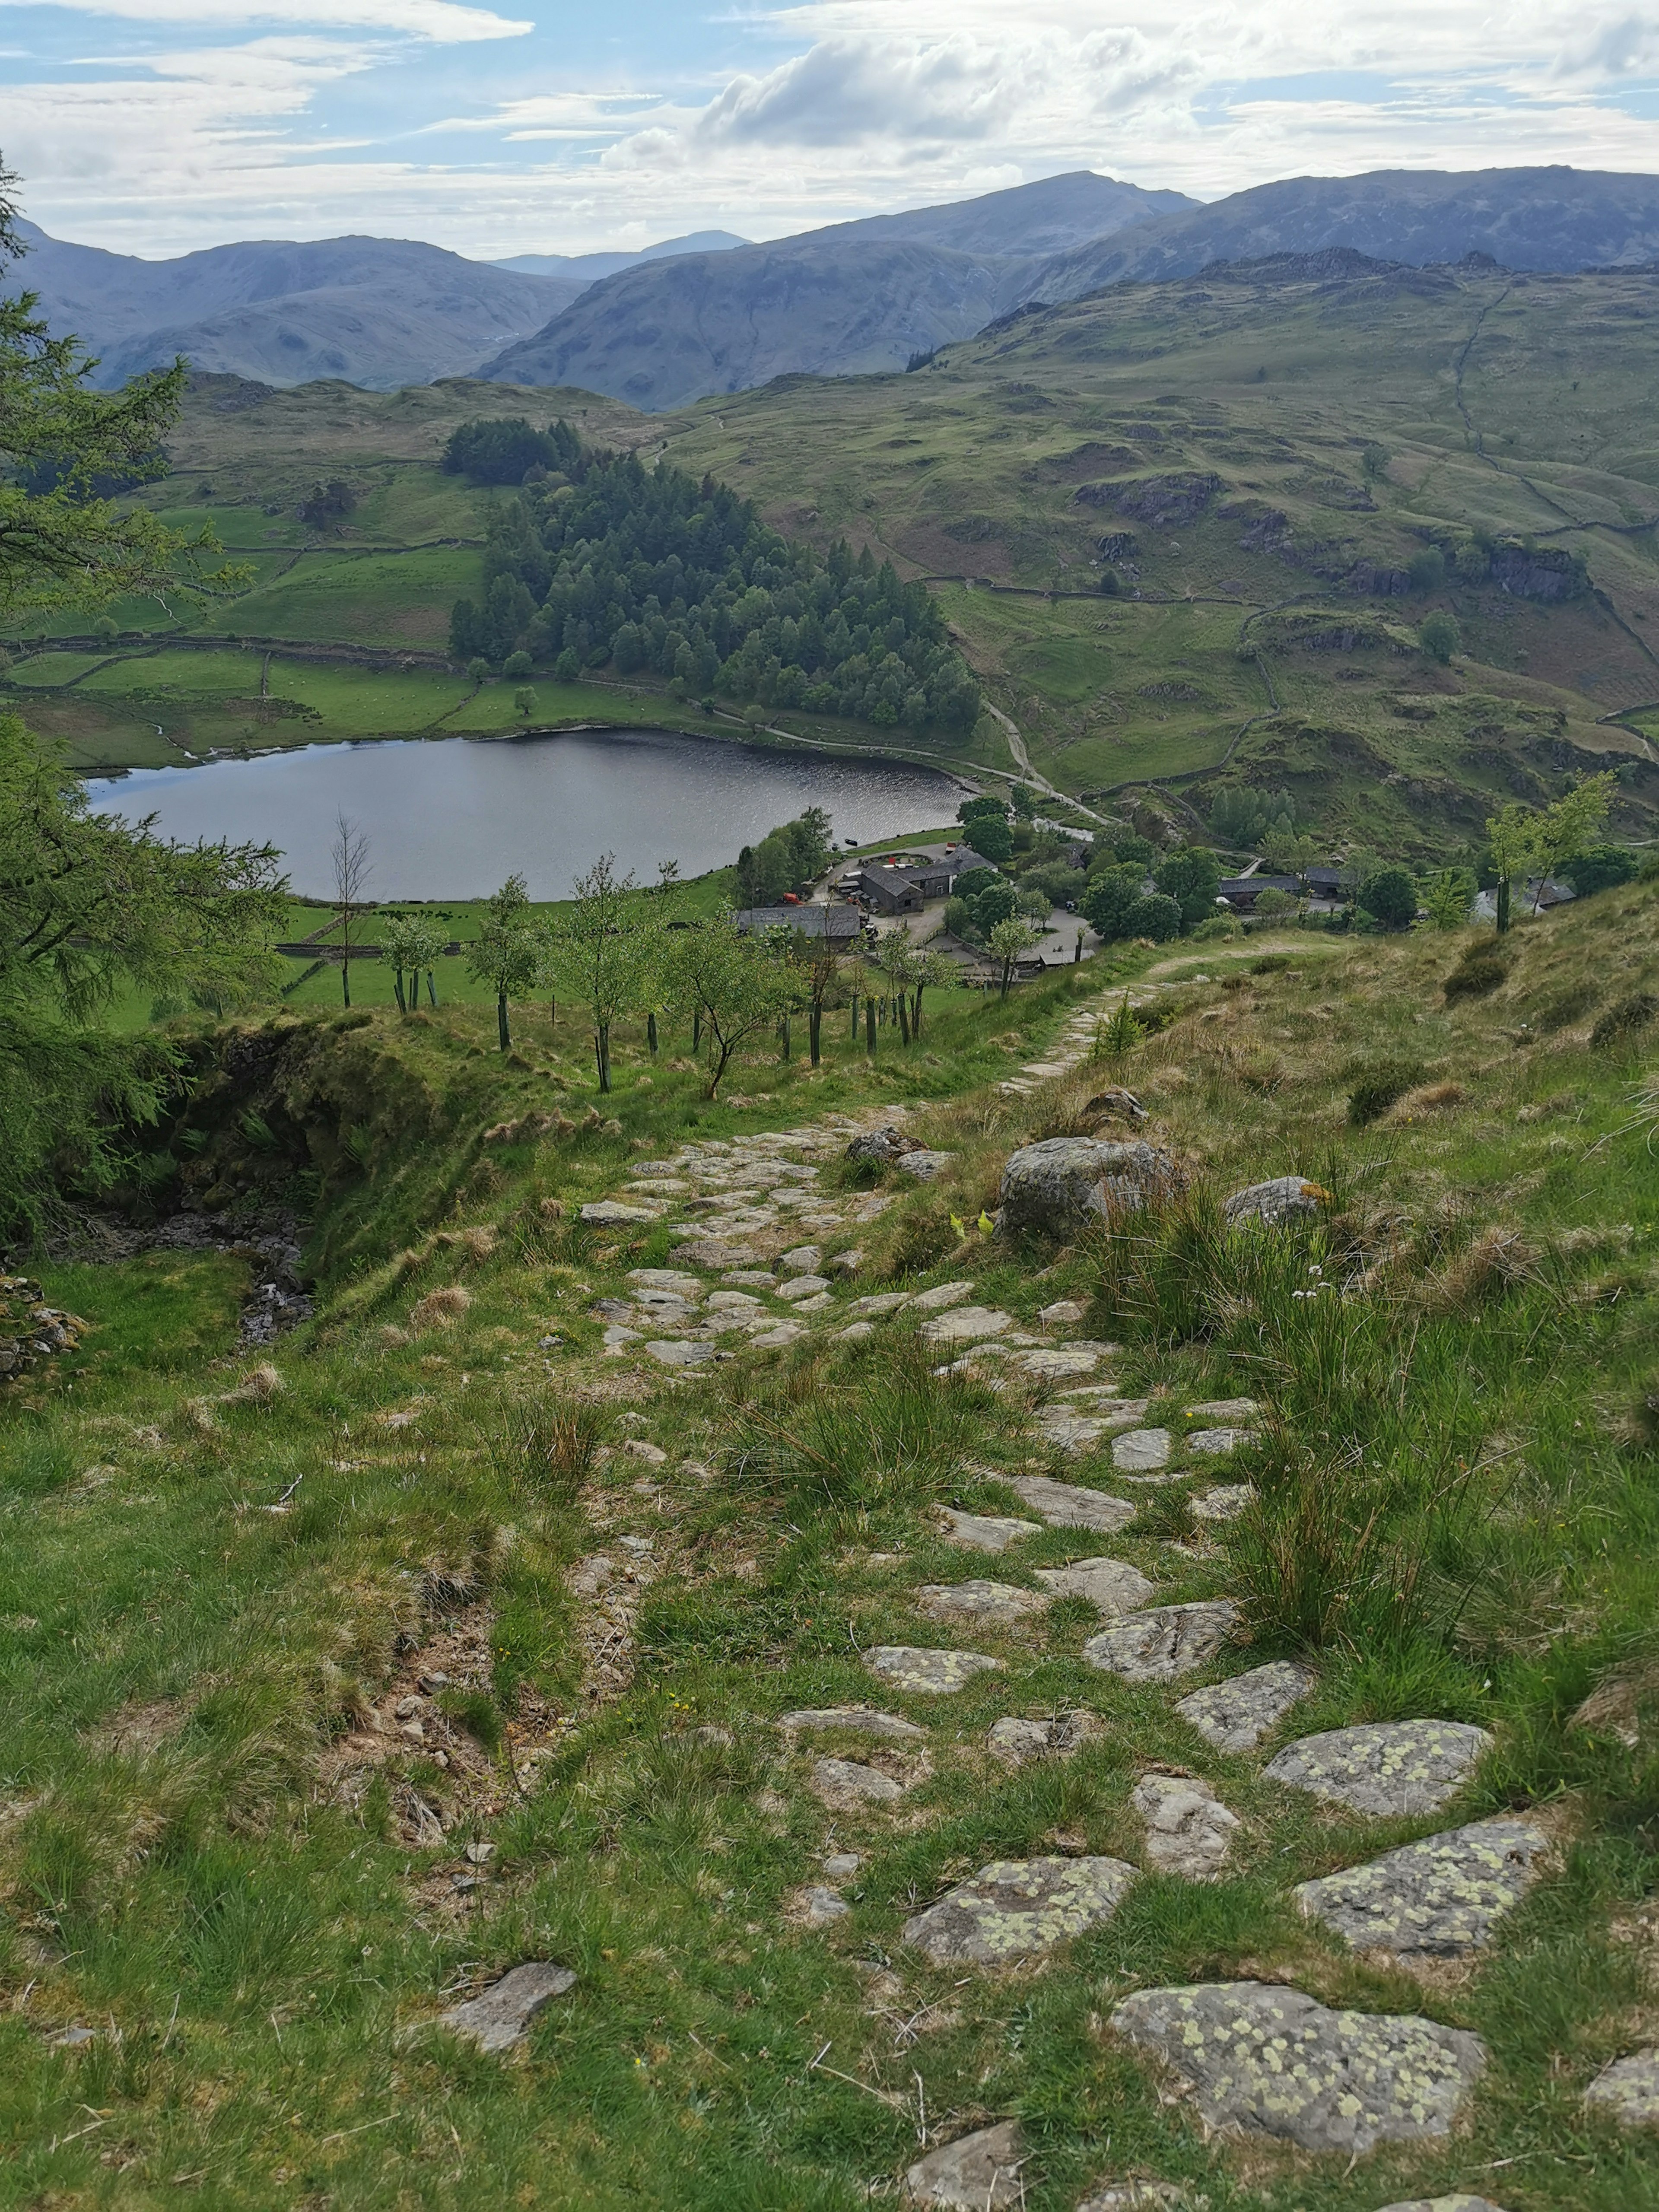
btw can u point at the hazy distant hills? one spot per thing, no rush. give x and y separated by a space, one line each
588 268
855 296
709 313
867 295
376 312
1523 218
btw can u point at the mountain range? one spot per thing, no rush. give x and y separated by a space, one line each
709 314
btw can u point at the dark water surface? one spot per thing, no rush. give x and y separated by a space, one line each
453 818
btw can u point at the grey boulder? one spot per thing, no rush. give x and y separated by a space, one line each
1275 1205
1272 2062
1235 1715
1163 1642
1058 1186
1628 2090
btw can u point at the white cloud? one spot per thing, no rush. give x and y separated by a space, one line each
444 22
845 91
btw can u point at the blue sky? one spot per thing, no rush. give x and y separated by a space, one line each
154 126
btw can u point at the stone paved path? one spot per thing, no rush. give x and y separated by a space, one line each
763 1258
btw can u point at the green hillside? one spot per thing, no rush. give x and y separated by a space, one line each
456 1630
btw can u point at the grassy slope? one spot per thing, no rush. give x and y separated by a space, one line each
1452 1522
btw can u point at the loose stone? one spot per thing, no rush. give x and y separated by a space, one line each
839 1864
978 1601
880 1302
1018 1741
1168 1641
774 1339
942 1297
1438 1898
1457 2202
1113 1585
843 1784
1387 1769
1136 2197
712 1252
1628 2090
737 1302
924 1164
977 2173
1069 1505
497 2019
1018 1908
1064 1313
1224 1409
804 1260
1277 1203
802 1287
820 1302
909 1667
1189 1831
1063 1360
860 1331
967 1325
1235 1715
860 1718
1275 2062
820 1906
611 1212
1141 1451
983 1532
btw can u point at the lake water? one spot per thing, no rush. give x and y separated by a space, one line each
453 818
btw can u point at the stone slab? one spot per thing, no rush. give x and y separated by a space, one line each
1272 2062
942 1297
862 1719
1387 1769
1164 1642
1017 1741
774 1339
672 1354
1070 1506
923 1165
1455 2202
1224 1409
1112 1585
880 1302
801 1287
1438 1898
966 1325
1628 2090
978 2172
713 1252
909 1666
1236 1714
1064 1313
804 1260
1057 1364
667 1278
611 1213
844 1784
1142 1451
501 2015
985 1532
820 1906
1217 1444
1019 1908
1226 1502
1189 1831
997 1603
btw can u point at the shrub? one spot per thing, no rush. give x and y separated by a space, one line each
1625 1017
1377 1087
1390 894
1477 975
1427 569
1602 868
1440 637
517 664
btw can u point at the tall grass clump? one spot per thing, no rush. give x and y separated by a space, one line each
545 1446
853 1441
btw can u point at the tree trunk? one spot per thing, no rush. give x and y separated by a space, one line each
870 1027
855 1017
345 979
904 1005
431 990
602 1049
916 1011
500 1021
814 1030
696 1030
1503 904
397 986
783 1038
651 1033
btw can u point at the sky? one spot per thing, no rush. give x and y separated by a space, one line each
158 126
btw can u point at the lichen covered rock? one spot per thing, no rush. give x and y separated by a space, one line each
1438 1899
1272 2061
1235 1715
1386 1768
1163 1642
1017 1908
